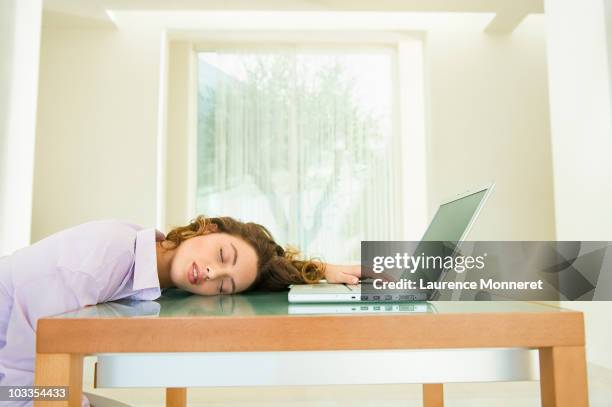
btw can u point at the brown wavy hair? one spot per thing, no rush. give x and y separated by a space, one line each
277 267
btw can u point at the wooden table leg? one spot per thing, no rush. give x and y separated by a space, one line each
563 377
176 397
433 395
62 369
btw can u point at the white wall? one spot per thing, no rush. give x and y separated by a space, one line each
581 124
180 180
7 27
97 127
19 53
580 118
466 68
472 139
489 122
608 23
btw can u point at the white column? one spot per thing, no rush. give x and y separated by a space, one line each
162 133
581 122
413 151
20 27
581 133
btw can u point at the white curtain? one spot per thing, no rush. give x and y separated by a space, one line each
303 142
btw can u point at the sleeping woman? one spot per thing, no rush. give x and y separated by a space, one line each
104 261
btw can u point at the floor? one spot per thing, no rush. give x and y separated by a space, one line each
514 394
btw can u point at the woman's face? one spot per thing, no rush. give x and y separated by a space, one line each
212 264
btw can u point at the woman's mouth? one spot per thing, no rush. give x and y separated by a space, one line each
193 274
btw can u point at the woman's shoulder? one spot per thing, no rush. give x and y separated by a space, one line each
107 235
112 227
88 247
84 235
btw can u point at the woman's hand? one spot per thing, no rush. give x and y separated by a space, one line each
352 274
342 274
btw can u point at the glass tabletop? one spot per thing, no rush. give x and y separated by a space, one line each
176 303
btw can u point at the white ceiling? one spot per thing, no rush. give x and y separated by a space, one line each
509 12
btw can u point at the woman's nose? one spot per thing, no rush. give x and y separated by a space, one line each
213 273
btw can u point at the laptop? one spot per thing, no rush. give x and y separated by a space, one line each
451 223
362 308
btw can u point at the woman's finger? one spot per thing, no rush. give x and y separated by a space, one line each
349 278
353 270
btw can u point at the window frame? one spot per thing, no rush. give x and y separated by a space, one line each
408 118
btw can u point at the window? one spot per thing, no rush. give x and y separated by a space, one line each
303 141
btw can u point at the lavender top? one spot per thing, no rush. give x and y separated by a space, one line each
88 264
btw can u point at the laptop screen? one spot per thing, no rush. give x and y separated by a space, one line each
452 218
445 232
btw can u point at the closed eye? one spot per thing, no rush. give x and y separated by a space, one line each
231 286
221 254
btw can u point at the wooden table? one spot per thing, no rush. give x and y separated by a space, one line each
263 322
